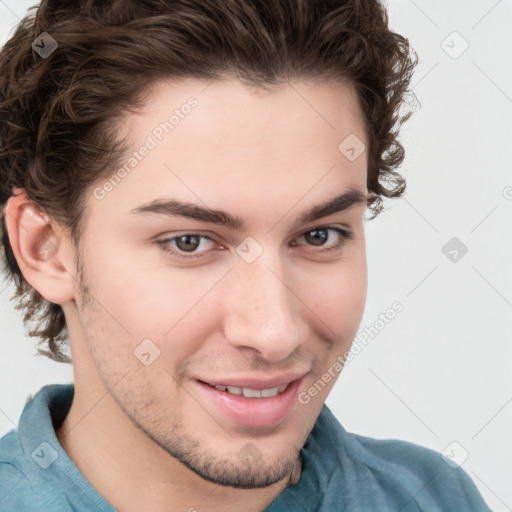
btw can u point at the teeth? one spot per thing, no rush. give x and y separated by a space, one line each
252 393
265 393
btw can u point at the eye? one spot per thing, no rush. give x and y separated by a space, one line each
318 236
186 245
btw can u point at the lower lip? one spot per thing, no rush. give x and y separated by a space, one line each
252 412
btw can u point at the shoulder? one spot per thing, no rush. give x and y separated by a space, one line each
403 469
25 484
16 488
24 492
11 458
404 459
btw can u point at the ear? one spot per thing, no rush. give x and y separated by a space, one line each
43 249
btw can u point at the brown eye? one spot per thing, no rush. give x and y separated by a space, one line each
185 245
318 237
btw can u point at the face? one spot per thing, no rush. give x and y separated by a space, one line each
206 332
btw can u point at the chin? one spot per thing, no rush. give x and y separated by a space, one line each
242 475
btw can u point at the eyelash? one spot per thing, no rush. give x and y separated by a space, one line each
164 244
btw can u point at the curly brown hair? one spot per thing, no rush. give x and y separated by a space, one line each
58 114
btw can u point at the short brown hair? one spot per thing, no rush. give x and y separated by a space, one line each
57 114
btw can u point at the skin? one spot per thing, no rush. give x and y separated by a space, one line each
142 435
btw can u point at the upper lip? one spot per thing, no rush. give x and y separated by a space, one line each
255 382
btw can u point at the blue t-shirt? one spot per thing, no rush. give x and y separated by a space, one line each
341 471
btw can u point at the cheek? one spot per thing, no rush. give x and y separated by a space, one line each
143 299
338 296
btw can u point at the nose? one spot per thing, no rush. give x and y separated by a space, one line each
263 313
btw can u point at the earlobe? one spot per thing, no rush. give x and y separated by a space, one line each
42 250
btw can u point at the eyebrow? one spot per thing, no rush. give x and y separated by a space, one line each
172 207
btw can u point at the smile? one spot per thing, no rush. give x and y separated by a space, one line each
251 402
252 393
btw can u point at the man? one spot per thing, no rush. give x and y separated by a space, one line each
185 186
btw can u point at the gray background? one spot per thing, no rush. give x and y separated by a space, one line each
439 373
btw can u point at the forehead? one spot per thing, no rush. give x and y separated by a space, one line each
230 113
223 142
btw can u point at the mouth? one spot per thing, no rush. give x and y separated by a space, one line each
249 392
251 402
